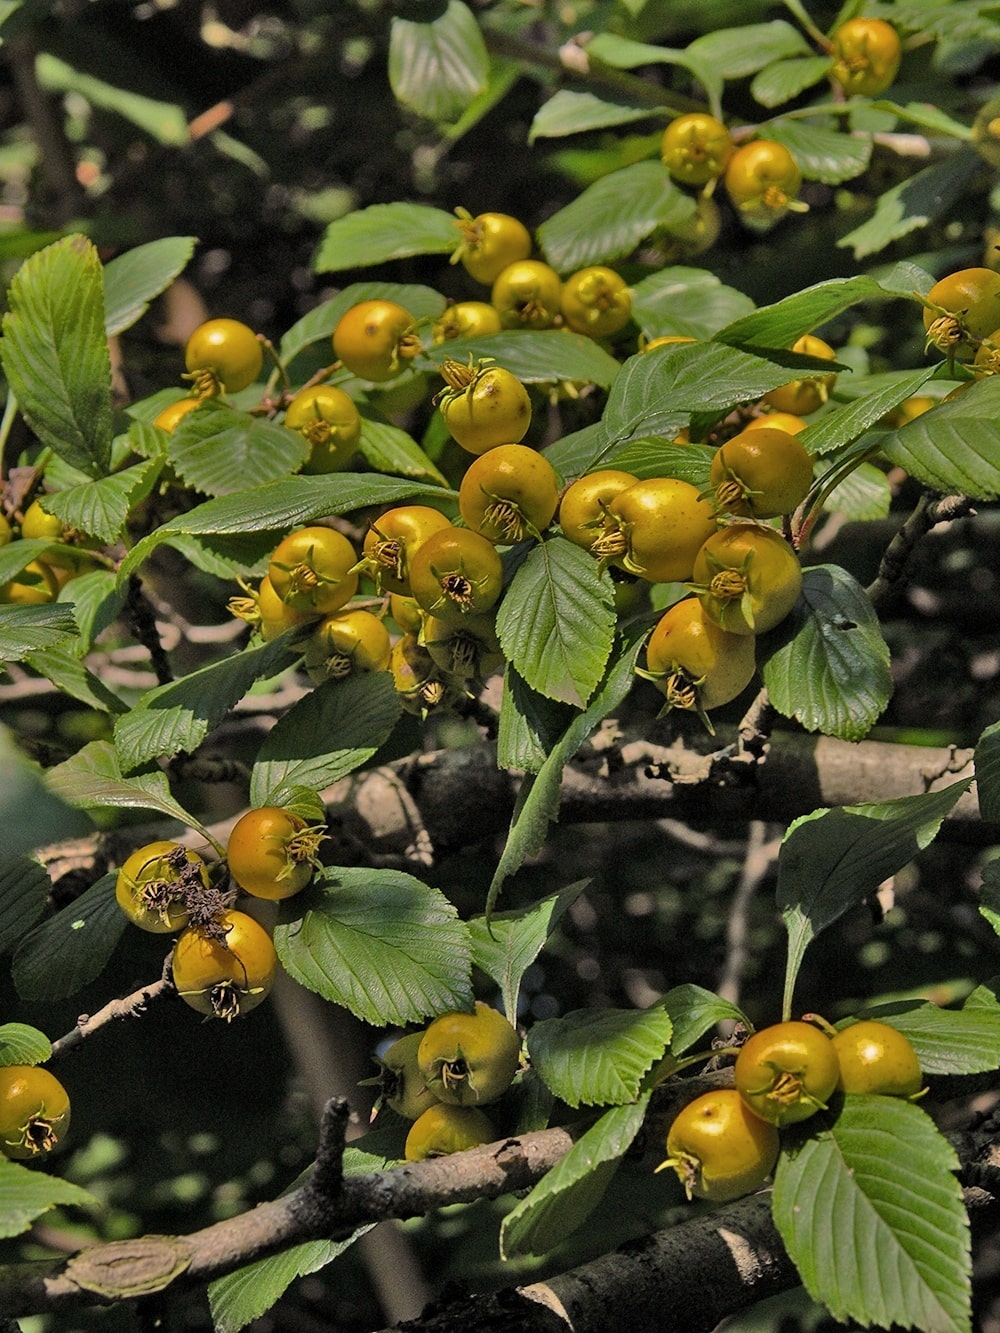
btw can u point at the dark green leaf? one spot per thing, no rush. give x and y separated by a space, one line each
436 69
329 733
55 352
69 950
873 1218
567 1195
607 48
379 942
134 278
988 773
538 798
664 458
61 664
913 203
530 724
842 425
831 860
693 1011
24 891
781 324
32 816
178 716
26 1194
383 232
557 622
598 1057
954 446
827 664
387 448
862 495
609 219
506 945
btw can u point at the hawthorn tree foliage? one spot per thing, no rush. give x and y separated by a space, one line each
138 622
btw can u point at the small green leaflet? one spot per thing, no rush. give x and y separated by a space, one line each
874 1220
218 450
385 231
570 112
913 203
544 357
134 278
23 1045
822 154
101 507
26 629
690 302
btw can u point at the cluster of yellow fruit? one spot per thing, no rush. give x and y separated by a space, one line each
760 175
725 1143
40 580
440 1078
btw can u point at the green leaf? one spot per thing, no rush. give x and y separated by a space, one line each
26 1194
954 446
777 84
989 898
913 203
92 780
784 322
873 1218
988 773
842 425
831 860
32 816
609 219
387 448
385 231
133 279
379 942
688 301
827 664
545 357
329 733
607 48
826 155
24 891
219 450
277 507
55 352
529 724
23 1045
657 391
947 1041
97 603
100 508
69 950
663 458
557 622
693 1010
598 1057
178 716
163 121
25 629
506 945
538 798
62 665
567 1195
862 495
436 69
925 114
736 53
568 112
245 1295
